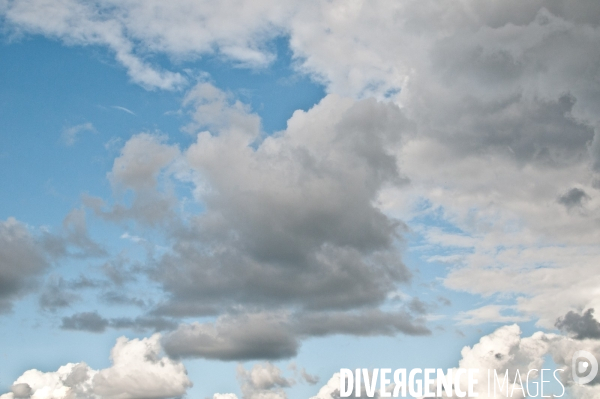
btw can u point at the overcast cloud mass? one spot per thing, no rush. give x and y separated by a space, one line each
433 181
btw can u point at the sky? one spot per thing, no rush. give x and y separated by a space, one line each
237 199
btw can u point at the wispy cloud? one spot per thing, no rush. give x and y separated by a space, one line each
71 135
123 109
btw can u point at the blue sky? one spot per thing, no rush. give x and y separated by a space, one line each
282 191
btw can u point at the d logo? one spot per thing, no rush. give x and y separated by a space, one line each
580 366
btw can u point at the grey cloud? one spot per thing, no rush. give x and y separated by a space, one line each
21 390
292 221
139 168
75 228
22 260
245 337
575 197
581 326
331 278
93 322
143 323
116 270
263 381
361 323
248 336
85 321
309 378
56 295
120 298
417 306
73 240
59 292
529 131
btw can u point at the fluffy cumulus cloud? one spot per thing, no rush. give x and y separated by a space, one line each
293 220
511 357
289 221
138 371
262 381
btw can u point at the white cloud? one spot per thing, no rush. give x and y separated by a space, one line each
505 350
137 372
488 314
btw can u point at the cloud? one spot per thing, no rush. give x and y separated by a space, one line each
361 323
573 198
86 321
263 381
582 326
137 29
293 220
493 125
56 295
270 335
137 372
70 135
93 322
22 261
245 337
138 169
123 109
489 314
22 390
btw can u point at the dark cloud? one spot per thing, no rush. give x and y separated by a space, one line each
293 221
93 322
249 336
85 321
22 260
527 131
243 337
24 257
575 197
581 326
